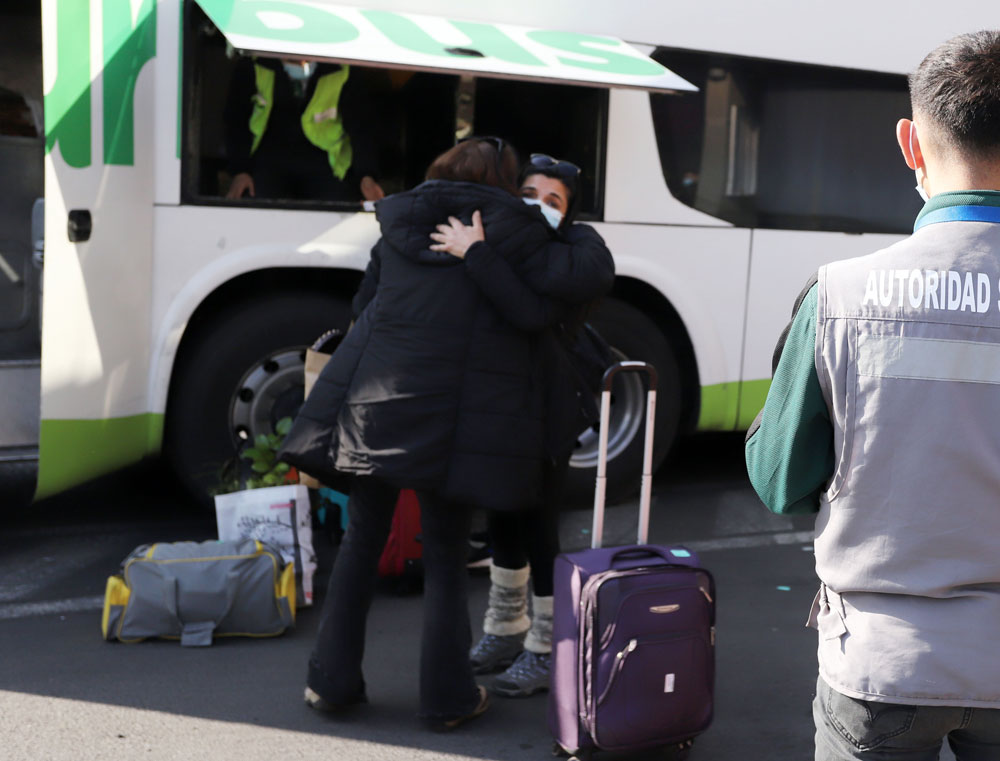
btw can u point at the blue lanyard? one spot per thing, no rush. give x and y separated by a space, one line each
959 214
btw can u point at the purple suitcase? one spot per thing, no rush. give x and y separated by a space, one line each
633 641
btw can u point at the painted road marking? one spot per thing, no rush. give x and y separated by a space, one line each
87 604
51 607
756 540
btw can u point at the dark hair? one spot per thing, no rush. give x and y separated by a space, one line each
477 160
957 86
572 185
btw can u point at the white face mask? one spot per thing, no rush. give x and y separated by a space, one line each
553 216
298 72
916 173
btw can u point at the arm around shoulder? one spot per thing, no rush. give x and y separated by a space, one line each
579 268
510 296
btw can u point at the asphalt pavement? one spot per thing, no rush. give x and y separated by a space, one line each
67 694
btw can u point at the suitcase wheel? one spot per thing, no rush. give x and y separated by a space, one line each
586 754
680 751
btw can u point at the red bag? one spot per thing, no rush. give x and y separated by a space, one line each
403 551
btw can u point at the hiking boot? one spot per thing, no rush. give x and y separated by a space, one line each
495 652
527 675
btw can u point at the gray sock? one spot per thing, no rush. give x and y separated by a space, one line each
539 639
507 613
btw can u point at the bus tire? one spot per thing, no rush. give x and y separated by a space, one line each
237 376
632 335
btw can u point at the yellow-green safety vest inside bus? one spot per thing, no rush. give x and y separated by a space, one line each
321 121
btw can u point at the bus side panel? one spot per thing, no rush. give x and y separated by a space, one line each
100 105
199 249
781 263
702 272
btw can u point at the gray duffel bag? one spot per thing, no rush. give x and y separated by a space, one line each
193 591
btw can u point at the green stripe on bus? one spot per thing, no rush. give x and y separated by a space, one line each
128 45
731 406
719 404
71 452
752 397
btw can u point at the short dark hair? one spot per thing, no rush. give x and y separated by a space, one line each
572 186
957 86
477 161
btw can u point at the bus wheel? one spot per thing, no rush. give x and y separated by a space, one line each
238 376
632 335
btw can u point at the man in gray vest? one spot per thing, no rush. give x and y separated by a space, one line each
884 417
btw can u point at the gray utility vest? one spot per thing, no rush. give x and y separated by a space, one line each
908 532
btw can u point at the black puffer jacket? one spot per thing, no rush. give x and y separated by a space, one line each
440 385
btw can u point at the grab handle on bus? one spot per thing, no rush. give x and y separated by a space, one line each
79 226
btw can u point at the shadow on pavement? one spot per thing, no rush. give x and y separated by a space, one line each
259 683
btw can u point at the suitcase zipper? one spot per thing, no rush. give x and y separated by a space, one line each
619 665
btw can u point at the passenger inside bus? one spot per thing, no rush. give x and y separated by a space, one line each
301 130
397 121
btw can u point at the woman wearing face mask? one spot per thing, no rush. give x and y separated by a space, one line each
525 543
438 388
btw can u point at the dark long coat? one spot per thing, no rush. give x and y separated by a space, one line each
441 383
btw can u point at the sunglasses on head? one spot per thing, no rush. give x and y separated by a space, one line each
562 168
496 142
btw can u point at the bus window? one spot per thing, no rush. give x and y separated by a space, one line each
406 119
564 121
786 146
401 121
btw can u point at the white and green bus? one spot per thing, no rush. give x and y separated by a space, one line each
728 149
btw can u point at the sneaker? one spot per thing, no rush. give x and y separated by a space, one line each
495 652
526 676
446 725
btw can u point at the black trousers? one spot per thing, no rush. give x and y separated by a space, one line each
531 536
447 686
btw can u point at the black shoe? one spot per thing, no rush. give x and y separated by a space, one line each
446 725
313 700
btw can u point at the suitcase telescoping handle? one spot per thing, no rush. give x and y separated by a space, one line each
646 490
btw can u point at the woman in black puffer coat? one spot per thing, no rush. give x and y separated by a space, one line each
434 388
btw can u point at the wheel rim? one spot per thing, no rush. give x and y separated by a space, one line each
628 405
270 390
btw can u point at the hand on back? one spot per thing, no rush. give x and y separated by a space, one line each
456 238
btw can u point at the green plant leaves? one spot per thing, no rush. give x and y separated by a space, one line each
263 461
